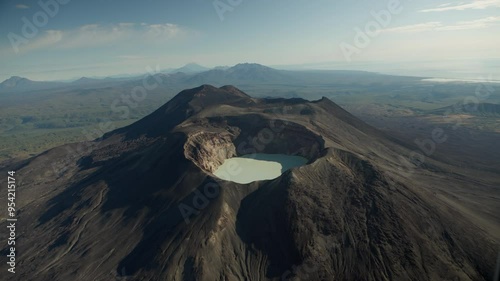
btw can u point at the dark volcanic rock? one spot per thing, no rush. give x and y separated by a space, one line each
142 202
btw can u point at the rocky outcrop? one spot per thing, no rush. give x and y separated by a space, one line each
209 150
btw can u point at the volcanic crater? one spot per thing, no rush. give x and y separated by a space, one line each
250 136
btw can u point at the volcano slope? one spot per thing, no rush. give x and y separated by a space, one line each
142 202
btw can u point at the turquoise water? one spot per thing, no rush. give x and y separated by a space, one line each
256 167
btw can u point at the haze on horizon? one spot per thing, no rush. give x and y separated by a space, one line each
451 39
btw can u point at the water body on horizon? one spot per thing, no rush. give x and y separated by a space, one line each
256 167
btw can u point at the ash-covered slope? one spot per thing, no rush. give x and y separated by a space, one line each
142 203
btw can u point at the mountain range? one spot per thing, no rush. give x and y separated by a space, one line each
193 74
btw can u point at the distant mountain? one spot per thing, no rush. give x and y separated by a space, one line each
480 109
16 83
174 79
190 68
86 80
252 69
253 73
243 73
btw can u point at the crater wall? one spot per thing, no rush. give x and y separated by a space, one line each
242 136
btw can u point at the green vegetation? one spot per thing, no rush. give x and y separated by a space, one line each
32 122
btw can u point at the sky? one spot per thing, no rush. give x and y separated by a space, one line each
68 39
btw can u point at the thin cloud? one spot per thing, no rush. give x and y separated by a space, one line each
438 26
473 24
22 6
420 27
445 5
95 35
46 39
475 5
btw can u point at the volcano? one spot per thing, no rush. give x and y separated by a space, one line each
143 203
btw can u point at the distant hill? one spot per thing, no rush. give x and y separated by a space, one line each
21 84
190 68
222 67
17 83
480 109
94 82
86 80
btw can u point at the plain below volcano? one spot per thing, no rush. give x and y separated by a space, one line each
256 167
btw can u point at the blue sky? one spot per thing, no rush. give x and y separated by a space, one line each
100 38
